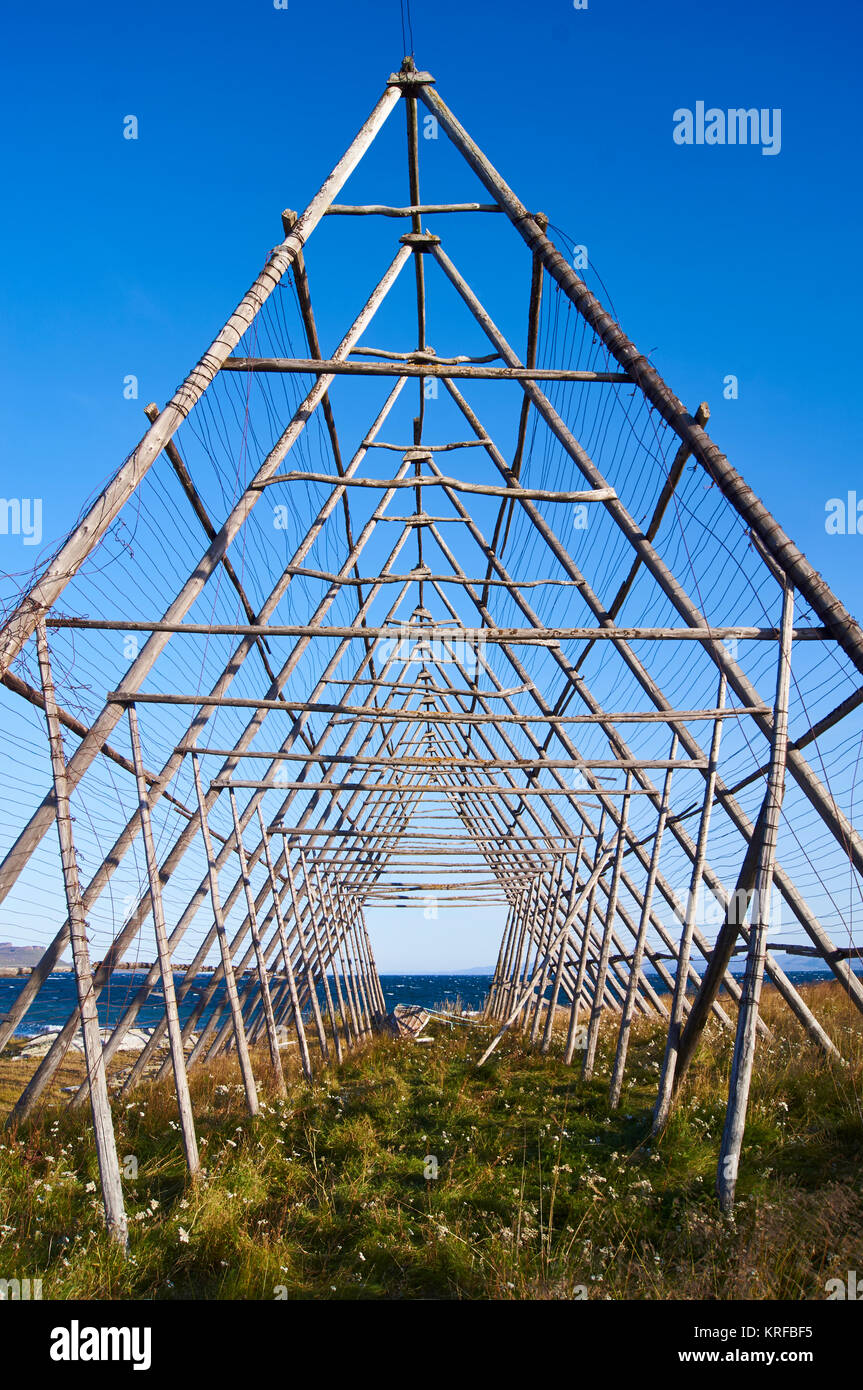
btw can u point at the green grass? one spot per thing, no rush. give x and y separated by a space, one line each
541 1192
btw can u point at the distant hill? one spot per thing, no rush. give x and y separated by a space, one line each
454 974
19 957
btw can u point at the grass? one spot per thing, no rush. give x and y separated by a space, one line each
540 1193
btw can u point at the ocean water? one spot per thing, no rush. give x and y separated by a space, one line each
436 990
57 997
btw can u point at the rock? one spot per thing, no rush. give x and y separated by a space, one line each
38 1046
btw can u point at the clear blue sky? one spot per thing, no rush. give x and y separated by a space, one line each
126 256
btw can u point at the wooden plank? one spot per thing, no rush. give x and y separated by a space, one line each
39 824
478 489
589 1059
100 1105
313 366
675 1026
836 821
551 1012
263 980
332 938
509 636
386 210
314 908
527 993
747 1017
249 1084
302 1040
308 978
640 942
166 968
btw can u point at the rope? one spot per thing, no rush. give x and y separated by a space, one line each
407 28
456 1018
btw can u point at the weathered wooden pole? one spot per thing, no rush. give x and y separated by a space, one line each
299 1026
38 825
640 941
747 1017
533 942
319 956
103 1125
555 815
572 1033
675 1026
363 985
605 947
301 285
497 978
343 944
335 961
723 950
553 902
249 1085
514 963
820 797
370 959
680 728
528 989
204 1048
377 1003
188 834
352 988
301 941
527 945
263 977
561 960
352 991
166 968
336 788
307 978
504 988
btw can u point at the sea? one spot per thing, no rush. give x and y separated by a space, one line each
57 997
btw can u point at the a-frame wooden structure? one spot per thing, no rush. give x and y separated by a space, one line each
456 713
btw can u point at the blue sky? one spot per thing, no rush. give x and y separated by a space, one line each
126 256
